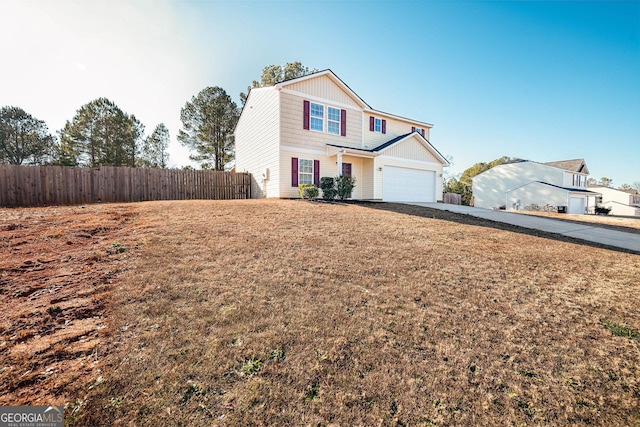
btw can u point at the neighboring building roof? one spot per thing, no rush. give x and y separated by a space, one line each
630 191
575 165
569 189
508 162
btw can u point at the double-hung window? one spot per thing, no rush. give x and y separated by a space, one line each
333 120
317 117
305 171
377 125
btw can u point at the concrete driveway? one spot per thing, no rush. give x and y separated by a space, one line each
604 236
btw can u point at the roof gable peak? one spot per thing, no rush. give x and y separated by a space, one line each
333 77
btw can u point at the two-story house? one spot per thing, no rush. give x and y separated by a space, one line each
314 126
621 202
521 184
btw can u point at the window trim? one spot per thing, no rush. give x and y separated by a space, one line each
300 173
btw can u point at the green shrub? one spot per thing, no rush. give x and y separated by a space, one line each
602 210
345 185
328 187
308 191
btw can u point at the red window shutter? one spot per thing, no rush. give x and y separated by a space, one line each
422 132
413 129
316 172
384 126
305 115
343 122
294 171
371 123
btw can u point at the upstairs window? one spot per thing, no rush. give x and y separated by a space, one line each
419 130
313 116
333 121
377 125
317 118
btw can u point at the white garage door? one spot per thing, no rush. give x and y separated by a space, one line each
576 205
408 185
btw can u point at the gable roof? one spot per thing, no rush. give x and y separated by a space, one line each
568 189
331 76
575 165
379 148
366 107
631 191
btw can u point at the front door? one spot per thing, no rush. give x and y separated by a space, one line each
346 170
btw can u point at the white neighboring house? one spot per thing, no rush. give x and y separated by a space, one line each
314 126
528 185
621 202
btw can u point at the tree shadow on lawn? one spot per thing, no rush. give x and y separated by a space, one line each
424 212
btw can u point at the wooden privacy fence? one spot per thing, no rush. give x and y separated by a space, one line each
453 198
63 185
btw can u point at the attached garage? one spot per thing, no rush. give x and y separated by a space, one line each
576 205
408 185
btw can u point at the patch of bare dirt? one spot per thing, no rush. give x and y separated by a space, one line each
57 269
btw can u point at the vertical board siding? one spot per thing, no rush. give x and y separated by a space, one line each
62 185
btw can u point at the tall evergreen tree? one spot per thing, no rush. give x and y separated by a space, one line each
100 134
209 120
23 138
154 149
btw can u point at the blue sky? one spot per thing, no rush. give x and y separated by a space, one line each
540 80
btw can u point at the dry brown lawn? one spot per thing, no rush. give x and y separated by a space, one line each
299 313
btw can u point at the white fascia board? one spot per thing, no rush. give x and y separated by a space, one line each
404 159
302 150
393 116
320 100
353 152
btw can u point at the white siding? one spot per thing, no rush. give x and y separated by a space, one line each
489 187
294 135
569 180
535 193
620 202
256 137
